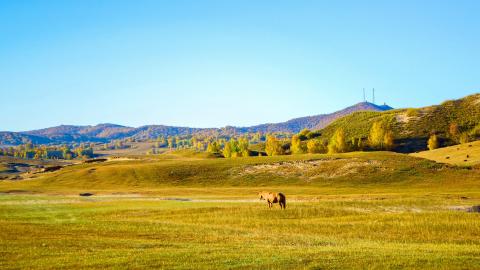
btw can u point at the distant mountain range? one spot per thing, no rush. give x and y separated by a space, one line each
108 132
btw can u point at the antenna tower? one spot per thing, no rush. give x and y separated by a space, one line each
373 95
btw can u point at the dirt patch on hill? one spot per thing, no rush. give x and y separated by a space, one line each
403 118
311 169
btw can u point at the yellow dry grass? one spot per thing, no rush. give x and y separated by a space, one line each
466 154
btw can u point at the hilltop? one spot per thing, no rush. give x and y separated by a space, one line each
317 121
107 132
412 127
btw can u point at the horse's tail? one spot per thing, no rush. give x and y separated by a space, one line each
282 200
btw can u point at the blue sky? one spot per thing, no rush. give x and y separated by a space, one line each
216 63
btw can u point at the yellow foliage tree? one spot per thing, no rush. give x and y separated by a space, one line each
243 147
315 147
388 140
213 147
273 147
377 135
432 142
337 142
227 150
296 146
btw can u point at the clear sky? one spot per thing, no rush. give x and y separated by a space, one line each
215 63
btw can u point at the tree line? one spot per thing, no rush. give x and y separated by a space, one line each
31 151
456 135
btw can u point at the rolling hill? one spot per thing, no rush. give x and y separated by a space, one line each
354 170
315 122
412 127
107 132
8 138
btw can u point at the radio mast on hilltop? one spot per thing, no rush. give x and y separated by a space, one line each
364 97
373 95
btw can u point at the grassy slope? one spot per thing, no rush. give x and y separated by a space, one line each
456 154
395 214
412 132
389 171
137 148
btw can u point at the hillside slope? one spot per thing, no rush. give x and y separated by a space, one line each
467 154
412 127
15 138
315 122
351 170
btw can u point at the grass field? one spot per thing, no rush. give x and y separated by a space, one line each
466 154
351 211
136 148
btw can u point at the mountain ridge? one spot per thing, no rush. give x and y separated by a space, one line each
105 132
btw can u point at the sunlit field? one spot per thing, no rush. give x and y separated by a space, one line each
386 231
404 213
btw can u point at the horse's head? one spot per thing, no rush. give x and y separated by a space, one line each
260 194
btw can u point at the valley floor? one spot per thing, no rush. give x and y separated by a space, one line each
415 219
379 231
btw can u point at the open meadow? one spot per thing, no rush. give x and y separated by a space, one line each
178 211
466 154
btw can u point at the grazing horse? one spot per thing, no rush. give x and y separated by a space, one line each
272 198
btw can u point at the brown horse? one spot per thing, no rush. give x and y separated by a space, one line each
272 198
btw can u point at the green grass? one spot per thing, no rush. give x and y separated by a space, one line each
353 170
467 154
335 232
350 211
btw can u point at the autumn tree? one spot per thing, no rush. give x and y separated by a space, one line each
315 147
303 134
243 145
388 140
453 131
337 143
227 150
296 146
432 142
213 147
273 147
377 135
381 136
194 142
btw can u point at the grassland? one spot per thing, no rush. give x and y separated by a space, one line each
135 148
179 211
467 154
